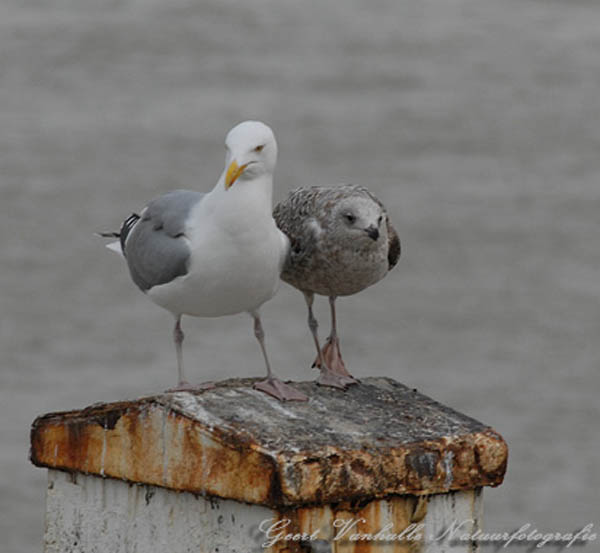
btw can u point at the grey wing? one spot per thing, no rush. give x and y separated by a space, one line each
157 248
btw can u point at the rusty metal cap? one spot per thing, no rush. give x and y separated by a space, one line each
377 439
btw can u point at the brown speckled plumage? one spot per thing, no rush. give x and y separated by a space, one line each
324 258
341 243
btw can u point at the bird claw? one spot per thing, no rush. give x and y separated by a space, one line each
277 389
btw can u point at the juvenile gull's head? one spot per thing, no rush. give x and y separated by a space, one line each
360 220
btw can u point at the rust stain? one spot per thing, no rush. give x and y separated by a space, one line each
492 453
367 527
147 445
145 441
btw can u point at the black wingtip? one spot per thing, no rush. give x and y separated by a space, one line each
126 227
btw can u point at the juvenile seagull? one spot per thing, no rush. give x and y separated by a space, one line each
341 243
215 254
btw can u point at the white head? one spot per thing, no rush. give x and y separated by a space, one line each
360 220
251 152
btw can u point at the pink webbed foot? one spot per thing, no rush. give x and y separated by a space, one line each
334 380
334 373
276 388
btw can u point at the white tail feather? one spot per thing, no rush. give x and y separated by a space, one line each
115 247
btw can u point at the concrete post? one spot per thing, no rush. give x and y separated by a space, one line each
379 468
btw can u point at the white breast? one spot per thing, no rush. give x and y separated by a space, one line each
235 265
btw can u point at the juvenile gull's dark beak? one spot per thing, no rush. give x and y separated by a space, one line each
373 232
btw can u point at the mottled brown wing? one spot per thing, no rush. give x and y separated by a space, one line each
292 216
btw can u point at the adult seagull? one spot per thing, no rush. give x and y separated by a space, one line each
215 254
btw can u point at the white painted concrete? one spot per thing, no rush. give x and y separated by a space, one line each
89 514
451 519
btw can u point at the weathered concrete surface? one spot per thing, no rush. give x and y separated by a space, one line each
377 439
451 521
88 514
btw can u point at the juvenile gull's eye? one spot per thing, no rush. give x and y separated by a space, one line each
350 218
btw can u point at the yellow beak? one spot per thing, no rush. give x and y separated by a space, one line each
233 173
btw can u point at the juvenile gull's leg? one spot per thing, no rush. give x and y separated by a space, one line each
272 385
328 377
332 353
182 384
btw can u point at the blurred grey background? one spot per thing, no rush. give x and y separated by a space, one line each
476 122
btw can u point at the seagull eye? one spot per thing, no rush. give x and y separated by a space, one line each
379 220
259 148
350 218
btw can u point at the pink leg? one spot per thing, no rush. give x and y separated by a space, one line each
272 385
329 360
182 384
